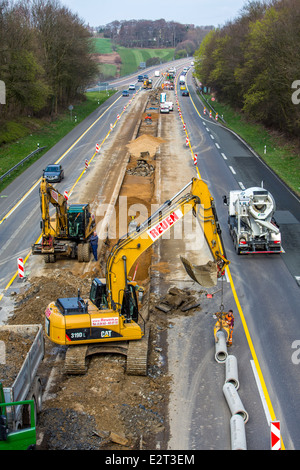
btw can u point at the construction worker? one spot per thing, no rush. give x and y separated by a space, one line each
229 318
94 245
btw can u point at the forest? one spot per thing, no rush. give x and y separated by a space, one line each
45 57
253 63
184 38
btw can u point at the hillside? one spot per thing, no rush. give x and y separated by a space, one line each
117 61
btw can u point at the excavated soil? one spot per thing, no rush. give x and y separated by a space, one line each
105 408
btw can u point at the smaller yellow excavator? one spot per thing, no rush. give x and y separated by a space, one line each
111 317
67 233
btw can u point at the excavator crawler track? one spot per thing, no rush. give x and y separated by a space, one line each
75 360
137 355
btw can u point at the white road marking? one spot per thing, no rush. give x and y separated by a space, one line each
261 393
233 170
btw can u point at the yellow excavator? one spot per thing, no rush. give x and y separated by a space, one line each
67 233
111 317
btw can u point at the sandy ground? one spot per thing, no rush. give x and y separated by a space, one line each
107 409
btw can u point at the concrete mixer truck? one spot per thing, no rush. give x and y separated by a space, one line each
252 226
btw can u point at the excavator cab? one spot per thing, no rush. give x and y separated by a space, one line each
78 220
98 294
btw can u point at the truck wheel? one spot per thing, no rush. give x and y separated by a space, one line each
237 249
86 252
80 253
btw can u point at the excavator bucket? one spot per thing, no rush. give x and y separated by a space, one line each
205 275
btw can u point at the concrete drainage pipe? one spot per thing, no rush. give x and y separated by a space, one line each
238 433
231 374
234 402
221 347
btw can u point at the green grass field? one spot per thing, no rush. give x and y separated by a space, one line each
46 135
131 58
101 46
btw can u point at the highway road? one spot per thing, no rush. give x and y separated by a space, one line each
19 203
262 290
264 287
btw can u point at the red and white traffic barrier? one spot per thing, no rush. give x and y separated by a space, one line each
86 164
204 110
217 116
210 114
195 159
66 195
21 268
187 142
275 435
97 148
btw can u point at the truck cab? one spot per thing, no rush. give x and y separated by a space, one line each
21 439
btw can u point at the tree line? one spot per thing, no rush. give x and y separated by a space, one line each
185 38
253 63
44 57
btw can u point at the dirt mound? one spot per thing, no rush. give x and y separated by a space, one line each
145 143
112 58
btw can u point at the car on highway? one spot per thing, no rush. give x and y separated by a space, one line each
131 86
185 93
164 108
125 93
54 173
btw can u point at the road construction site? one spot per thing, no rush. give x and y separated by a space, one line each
143 163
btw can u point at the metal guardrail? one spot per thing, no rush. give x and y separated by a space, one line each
21 163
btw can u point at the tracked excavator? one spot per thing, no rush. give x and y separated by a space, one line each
67 233
110 321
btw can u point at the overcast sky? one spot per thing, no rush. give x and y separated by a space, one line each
197 12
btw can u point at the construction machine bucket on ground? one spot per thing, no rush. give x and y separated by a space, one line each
206 275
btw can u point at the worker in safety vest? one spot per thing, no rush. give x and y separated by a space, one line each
229 318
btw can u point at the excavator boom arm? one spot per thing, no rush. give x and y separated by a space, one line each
49 195
125 253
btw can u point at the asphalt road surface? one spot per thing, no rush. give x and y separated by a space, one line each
267 292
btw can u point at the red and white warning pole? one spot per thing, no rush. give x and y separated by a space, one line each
86 164
187 142
66 195
21 268
97 148
195 159
275 435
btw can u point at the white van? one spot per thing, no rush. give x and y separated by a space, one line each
156 73
163 97
182 80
